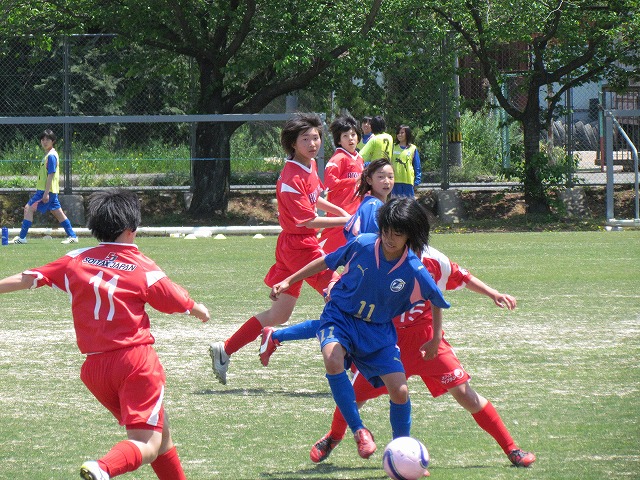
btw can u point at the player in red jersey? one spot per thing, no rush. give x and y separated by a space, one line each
441 374
298 192
109 286
342 176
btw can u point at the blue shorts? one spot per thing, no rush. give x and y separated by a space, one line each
403 190
53 204
371 346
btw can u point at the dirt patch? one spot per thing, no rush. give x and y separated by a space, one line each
483 210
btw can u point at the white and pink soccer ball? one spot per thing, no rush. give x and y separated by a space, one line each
405 458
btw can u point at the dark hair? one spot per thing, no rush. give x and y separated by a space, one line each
368 172
48 134
111 212
365 120
300 122
407 132
405 215
378 125
341 124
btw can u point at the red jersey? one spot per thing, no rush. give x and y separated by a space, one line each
297 192
447 275
342 177
109 286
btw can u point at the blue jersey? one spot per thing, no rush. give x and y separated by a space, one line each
376 290
365 220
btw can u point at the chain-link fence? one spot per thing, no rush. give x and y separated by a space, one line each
462 136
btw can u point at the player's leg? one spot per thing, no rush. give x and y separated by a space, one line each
29 210
130 384
488 418
333 355
272 338
279 313
167 465
399 403
64 223
300 331
363 391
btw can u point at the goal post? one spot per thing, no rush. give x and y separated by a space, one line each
620 148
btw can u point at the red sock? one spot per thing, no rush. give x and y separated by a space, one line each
122 458
168 467
338 425
489 420
246 334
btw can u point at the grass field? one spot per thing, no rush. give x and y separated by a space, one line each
563 369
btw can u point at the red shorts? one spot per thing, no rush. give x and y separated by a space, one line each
439 374
292 253
332 239
130 383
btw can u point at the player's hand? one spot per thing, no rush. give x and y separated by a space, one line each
327 296
45 198
430 349
201 312
503 300
277 289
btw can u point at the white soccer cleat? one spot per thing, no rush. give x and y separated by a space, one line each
220 361
19 240
91 471
69 240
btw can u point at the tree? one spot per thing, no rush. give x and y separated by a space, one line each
565 44
247 53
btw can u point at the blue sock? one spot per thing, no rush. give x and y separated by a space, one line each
400 418
345 399
26 225
299 331
68 228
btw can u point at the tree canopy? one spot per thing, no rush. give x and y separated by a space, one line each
562 44
247 53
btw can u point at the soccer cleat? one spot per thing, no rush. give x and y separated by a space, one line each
220 361
520 458
267 345
92 471
69 240
322 448
19 240
366 445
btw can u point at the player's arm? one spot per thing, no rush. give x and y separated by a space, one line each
367 151
19 281
430 349
339 220
502 300
200 312
327 206
417 168
51 171
316 266
169 297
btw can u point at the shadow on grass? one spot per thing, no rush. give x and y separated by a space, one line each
324 471
259 392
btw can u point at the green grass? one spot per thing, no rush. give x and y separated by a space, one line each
562 369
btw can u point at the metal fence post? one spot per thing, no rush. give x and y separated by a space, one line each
444 118
66 128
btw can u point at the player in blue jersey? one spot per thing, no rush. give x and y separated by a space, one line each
382 277
376 184
47 189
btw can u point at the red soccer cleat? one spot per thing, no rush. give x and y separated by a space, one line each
267 345
366 445
520 458
322 448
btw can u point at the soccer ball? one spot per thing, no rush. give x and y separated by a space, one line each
405 458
